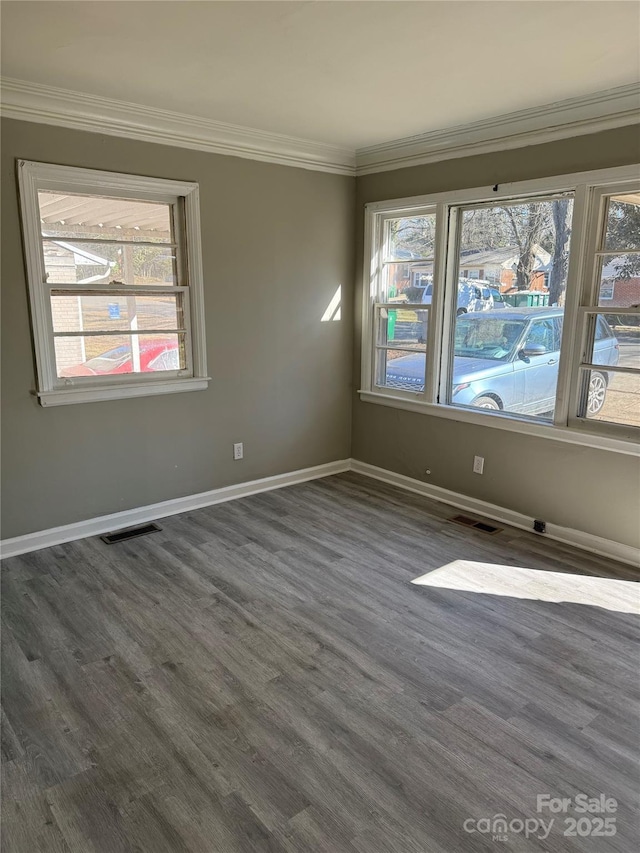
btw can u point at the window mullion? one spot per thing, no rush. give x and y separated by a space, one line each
434 335
370 286
109 290
448 298
579 271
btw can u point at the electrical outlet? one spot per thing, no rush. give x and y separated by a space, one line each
478 464
238 451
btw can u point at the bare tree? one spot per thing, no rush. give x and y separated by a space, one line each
527 225
561 218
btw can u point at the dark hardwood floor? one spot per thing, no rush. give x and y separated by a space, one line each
262 676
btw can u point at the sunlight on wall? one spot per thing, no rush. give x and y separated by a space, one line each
535 584
333 309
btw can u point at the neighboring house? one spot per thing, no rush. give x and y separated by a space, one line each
616 291
63 261
404 273
494 266
498 266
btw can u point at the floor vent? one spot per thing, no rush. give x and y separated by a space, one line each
473 522
464 519
129 533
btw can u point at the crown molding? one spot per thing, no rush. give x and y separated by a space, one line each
65 108
560 120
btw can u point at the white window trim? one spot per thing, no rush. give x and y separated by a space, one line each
565 428
34 176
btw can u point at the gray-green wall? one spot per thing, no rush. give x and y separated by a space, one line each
591 490
277 242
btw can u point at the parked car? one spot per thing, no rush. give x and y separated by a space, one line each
472 296
508 360
154 355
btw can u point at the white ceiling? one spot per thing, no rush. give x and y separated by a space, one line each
353 74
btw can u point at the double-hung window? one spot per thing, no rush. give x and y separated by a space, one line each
402 299
606 382
115 282
516 306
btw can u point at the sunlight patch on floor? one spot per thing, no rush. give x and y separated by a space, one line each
535 584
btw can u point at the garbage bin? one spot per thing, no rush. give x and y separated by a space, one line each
527 299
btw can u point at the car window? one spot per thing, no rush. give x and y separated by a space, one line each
542 333
486 337
558 332
427 293
167 360
109 361
603 329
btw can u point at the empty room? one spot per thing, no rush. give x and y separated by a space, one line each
320 468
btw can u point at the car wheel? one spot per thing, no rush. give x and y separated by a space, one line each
486 403
597 393
461 311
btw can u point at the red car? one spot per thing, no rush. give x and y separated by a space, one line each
154 355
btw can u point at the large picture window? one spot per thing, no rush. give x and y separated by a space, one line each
516 305
115 283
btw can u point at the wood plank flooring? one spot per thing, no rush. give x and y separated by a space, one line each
262 676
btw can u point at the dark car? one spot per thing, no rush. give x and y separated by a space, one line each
508 360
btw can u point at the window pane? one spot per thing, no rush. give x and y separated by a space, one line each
407 282
402 326
404 371
117 354
96 217
110 312
512 266
95 263
613 397
518 248
623 222
616 341
508 361
411 238
405 328
620 281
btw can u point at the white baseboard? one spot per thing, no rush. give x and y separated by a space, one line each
566 535
153 512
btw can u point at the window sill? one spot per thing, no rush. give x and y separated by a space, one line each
67 396
506 422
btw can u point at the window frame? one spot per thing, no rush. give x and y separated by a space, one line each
183 197
565 426
589 310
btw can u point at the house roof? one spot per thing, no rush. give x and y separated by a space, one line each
611 270
81 256
505 257
115 215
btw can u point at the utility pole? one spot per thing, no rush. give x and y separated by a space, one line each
132 308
